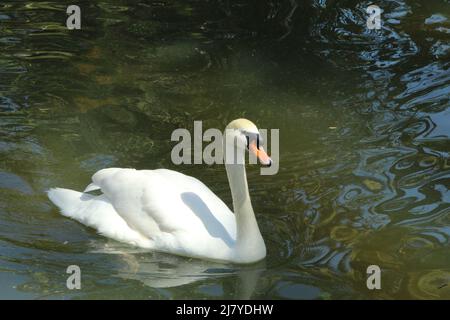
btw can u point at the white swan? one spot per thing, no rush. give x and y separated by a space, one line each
168 211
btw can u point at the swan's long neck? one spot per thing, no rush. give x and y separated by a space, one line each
249 241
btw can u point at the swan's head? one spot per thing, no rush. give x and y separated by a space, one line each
245 135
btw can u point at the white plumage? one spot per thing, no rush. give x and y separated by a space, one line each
168 211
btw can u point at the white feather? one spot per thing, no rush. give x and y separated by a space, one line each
167 211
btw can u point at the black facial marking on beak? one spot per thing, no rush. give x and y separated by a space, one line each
251 136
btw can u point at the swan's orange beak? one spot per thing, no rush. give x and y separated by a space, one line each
260 153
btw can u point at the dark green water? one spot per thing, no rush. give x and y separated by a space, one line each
364 123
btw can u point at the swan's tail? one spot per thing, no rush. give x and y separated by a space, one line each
96 212
72 204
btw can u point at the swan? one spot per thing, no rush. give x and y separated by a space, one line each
167 211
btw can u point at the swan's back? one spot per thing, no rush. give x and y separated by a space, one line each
172 212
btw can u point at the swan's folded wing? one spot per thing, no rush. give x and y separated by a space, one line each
165 202
125 189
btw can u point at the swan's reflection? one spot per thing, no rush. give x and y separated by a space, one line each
160 270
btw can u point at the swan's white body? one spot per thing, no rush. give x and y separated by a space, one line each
168 211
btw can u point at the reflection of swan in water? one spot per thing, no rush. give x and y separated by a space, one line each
160 270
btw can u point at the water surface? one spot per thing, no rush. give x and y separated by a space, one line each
364 123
